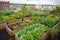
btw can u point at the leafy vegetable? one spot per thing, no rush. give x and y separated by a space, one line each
33 32
51 21
15 27
38 13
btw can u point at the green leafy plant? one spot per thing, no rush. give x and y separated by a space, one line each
38 13
51 21
15 27
33 32
26 23
23 24
2 20
6 12
25 10
38 18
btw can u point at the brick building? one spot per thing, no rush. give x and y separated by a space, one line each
4 5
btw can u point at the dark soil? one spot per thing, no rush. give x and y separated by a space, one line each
57 37
4 35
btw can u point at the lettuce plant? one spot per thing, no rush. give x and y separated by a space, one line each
33 32
51 21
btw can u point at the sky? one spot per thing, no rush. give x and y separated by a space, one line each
34 1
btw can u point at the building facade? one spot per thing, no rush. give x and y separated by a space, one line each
4 5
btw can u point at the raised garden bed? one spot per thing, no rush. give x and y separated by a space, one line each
2 26
32 32
14 21
12 29
54 34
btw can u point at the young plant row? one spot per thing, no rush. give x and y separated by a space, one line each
22 24
33 32
50 20
7 16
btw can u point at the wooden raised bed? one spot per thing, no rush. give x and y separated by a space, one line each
2 26
14 21
18 20
46 35
42 38
12 32
57 25
52 37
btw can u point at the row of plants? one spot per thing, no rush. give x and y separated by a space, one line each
22 24
36 31
19 25
25 11
26 23
7 15
50 21
13 27
38 13
33 32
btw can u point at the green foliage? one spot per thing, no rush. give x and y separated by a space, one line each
37 18
38 13
33 32
25 10
2 20
25 23
15 27
6 12
51 20
57 9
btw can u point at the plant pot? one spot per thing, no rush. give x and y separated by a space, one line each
12 32
3 26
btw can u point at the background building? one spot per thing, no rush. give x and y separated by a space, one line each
4 5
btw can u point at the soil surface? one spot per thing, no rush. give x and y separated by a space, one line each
57 37
4 35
